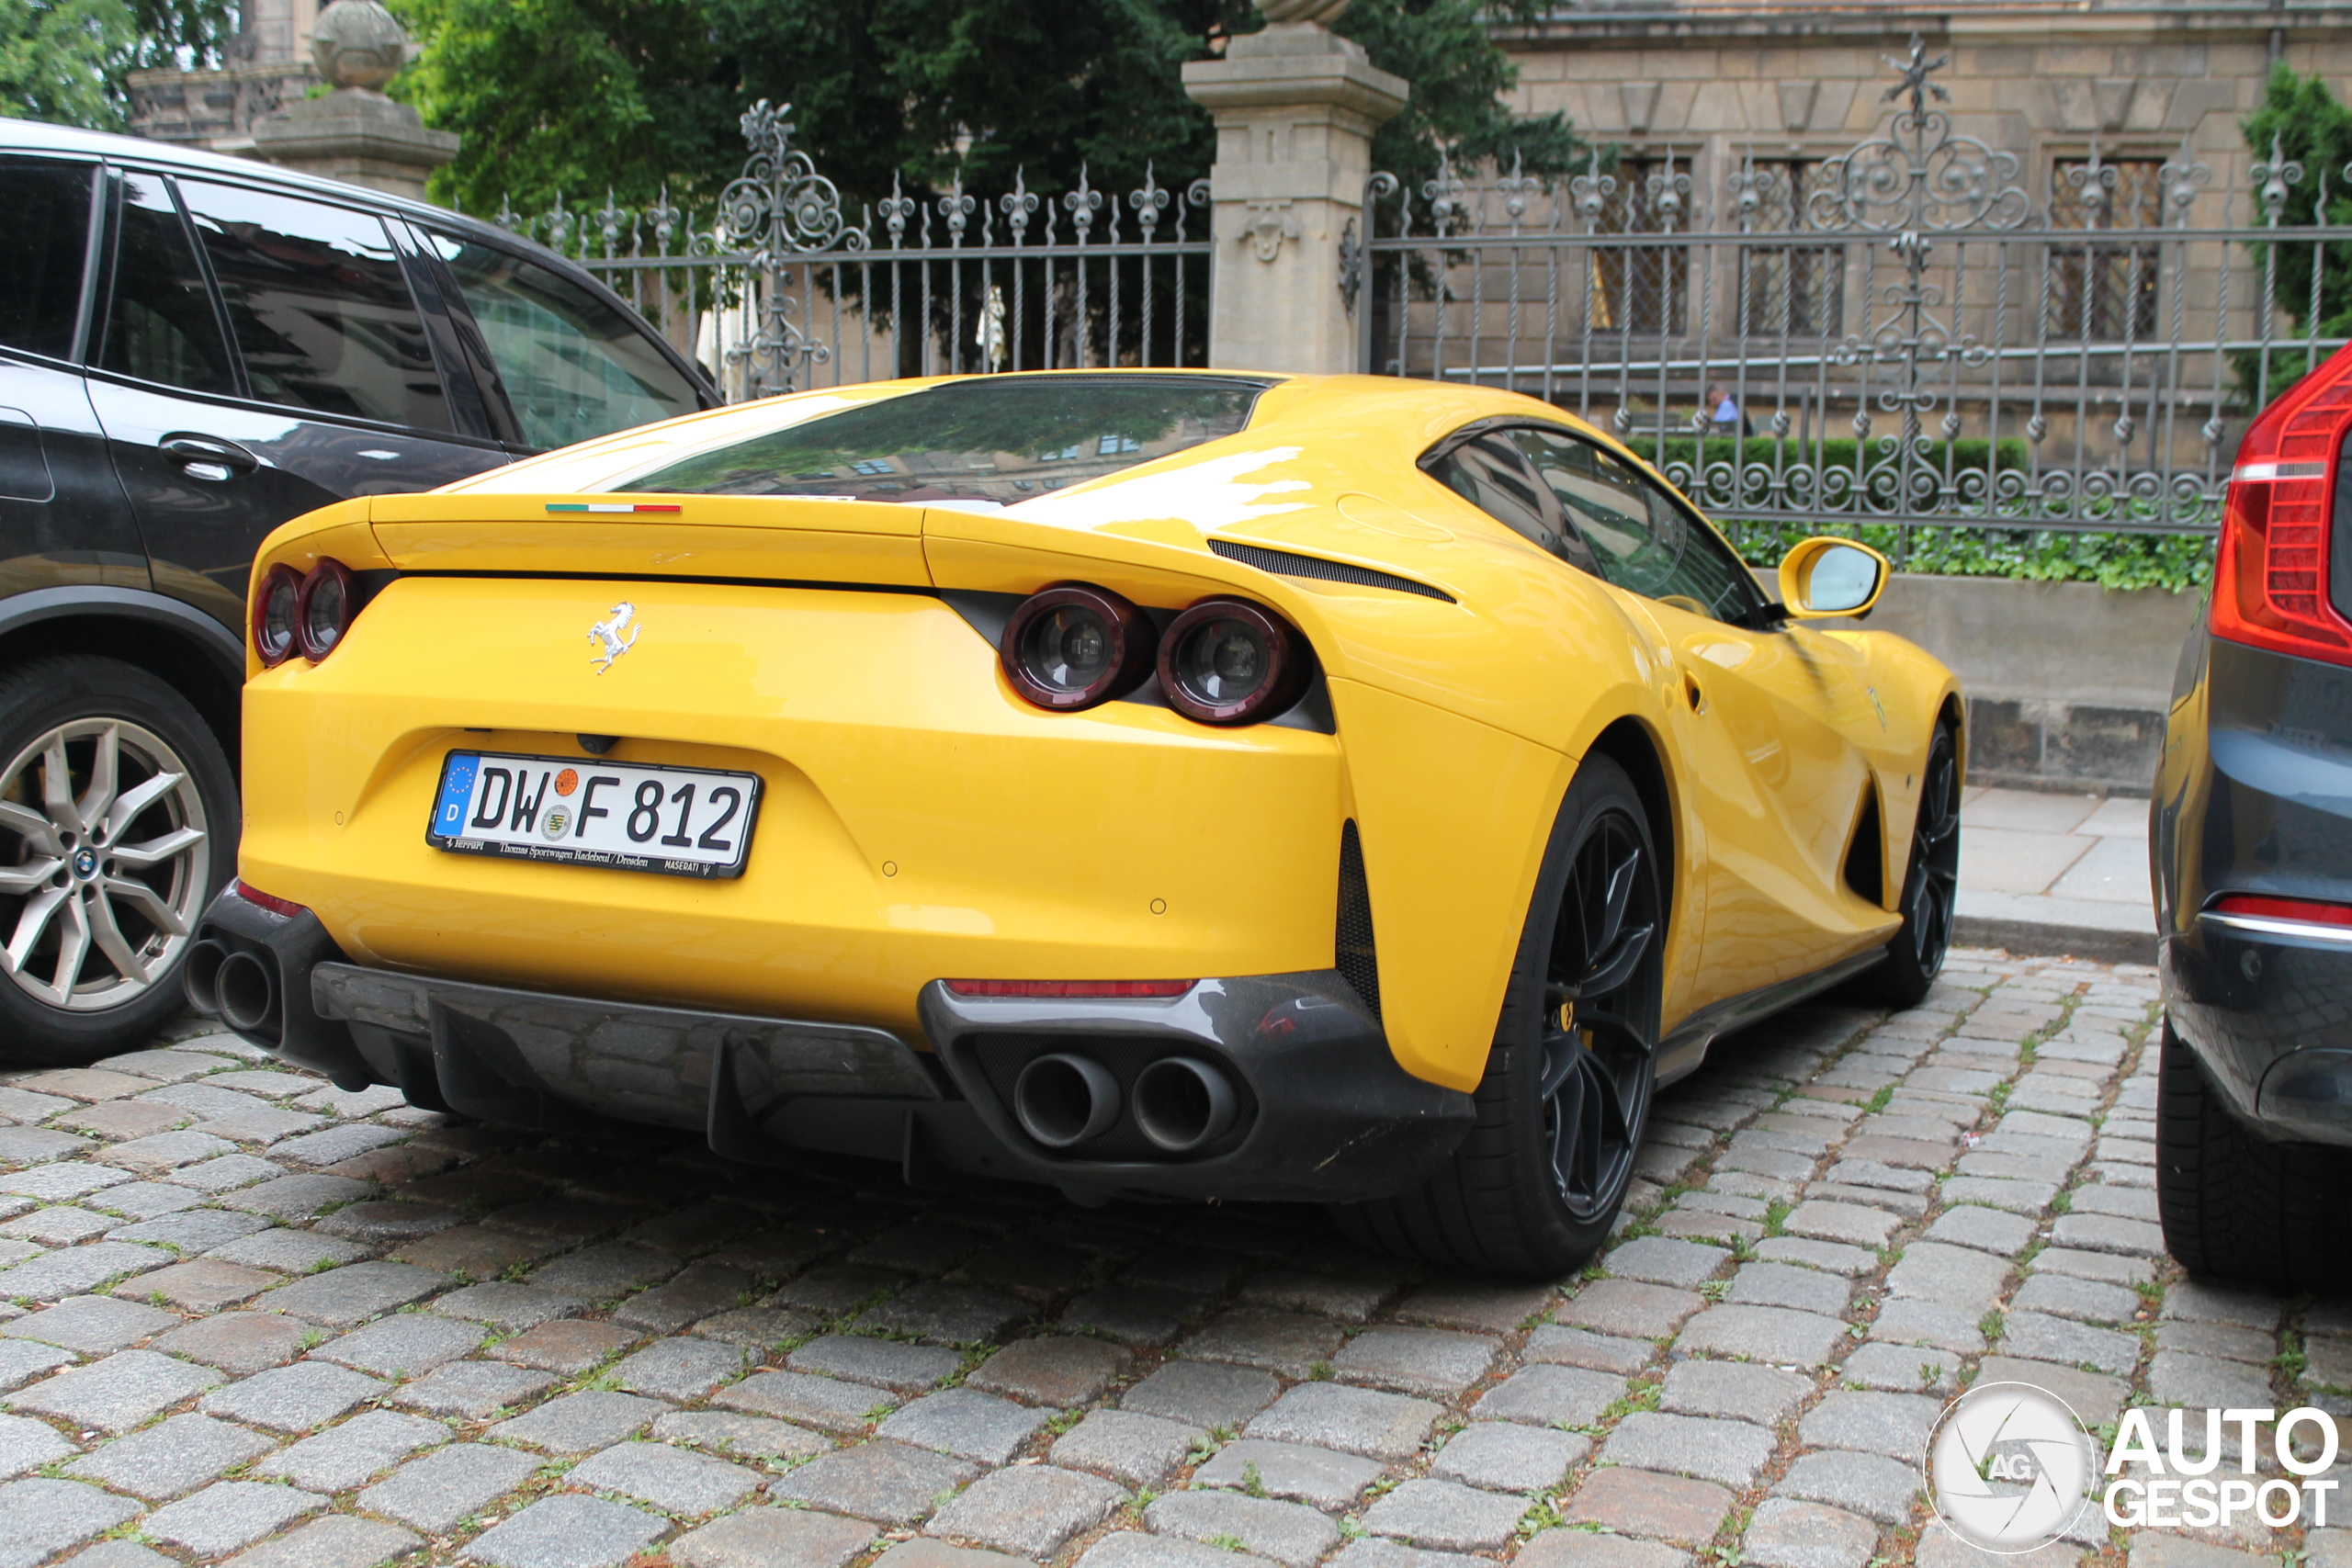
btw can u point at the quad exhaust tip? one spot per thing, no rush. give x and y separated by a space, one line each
203 975
1184 1104
1062 1100
246 990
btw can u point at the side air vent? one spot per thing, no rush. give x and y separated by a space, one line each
1864 859
1282 563
1357 964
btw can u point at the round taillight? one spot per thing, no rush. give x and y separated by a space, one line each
274 615
1072 646
1228 662
323 610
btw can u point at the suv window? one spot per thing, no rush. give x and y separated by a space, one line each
161 326
1644 540
42 249
1491 474
573 367
321 310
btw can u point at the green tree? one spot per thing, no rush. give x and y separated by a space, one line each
2313 129
59 60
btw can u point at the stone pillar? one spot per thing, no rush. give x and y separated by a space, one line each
355 133
1295 106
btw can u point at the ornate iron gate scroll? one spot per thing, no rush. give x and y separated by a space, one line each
2083 366
779 289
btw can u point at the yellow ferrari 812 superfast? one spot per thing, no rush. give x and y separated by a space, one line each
1353 790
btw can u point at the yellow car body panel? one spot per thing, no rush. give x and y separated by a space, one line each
1025 844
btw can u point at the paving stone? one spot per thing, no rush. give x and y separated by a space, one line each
1203 1394
1784 1285
1288 1532
1351 1294
1908 1205
1476 1304
336 1542
39 1518
228 1514
1869 1484
680 1368
404 1345
1895 1424
2196 1301
78 1270
468 1250
1901 1369
1446 1514
826 1404
568 1530
230 1173
190 1233
1134 1549
26 1444
263 1126
334 1143
1660 1261
2095 1398
1318 1477
1911 1322
1504 1456
772 1538
748 1436
1281 1342
1437 1362
1133 1448
701 1290
288 1251
1144 1316
2093 1233
145 1157
2204 1382
2084 1299
886 1363
1786 1533
92 1325
1637 1502
1548 1396
838 1289
346 1297
56 1225
435 1492
580 1423
295 1398
672 1480
1628 1308
1765 1396
1386 1427
1028 1509
601 1273
1585 1549
2036 1337
1731 1453
1987 1230
966 1423
145 1199
21 1361
1067 1370
1955 1276
923 1247
566 1346
1577 1348
475 1390
170 1459
1776 1335
239 1343
923 1552
888 1483
2218 1339
761 1329
202 1285
1848 1222
352 1453
117 1393
510 1309
1829 1256
292 1197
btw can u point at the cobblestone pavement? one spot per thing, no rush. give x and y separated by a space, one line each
258 1319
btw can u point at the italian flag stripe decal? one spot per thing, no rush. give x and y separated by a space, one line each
614 506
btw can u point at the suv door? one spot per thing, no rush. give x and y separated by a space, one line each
261 355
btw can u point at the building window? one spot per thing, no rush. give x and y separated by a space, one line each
1791 290
2105 292
1643 289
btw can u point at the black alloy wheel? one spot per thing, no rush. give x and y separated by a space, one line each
1536 1183
1915 955
1597 1049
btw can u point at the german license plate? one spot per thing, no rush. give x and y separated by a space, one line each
671 821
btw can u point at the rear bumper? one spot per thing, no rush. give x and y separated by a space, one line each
1326 1112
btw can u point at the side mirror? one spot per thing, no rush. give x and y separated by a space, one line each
1824 576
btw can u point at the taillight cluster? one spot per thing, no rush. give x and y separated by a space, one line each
1223 662
308 615
2271 578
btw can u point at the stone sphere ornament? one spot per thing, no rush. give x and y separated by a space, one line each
357 43
1324 12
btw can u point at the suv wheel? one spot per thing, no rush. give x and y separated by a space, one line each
118 822
2236 1205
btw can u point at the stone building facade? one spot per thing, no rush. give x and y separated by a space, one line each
269 68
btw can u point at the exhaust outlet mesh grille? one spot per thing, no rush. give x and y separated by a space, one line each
1356 962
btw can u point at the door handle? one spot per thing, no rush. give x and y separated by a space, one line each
189 451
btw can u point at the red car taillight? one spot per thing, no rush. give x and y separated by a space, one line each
1075 647
1228 662
1120 990
273 617
2271 578
269 901
2306 910
307 615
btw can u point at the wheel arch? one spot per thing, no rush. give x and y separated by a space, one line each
180 646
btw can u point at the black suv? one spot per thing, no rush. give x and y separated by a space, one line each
194 349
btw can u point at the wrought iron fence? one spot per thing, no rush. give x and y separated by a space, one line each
778 289
1898 335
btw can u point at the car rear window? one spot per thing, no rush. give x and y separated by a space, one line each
990 441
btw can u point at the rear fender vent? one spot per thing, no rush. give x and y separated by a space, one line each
1282 563
1865 858
1356 962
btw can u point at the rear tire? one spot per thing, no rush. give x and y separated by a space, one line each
105 869
1915 955
1535 1186
2236 1205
